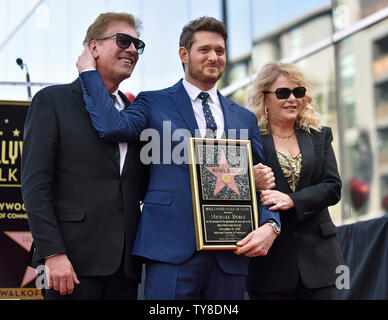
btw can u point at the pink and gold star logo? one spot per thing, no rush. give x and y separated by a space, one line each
24 239
225 175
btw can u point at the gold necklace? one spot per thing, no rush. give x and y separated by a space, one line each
284 137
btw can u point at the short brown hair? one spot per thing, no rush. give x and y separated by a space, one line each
201 24
97 28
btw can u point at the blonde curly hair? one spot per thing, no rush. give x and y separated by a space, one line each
307 119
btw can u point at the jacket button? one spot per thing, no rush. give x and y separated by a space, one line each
295 234
121 210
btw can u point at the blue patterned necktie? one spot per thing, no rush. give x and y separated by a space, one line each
211 126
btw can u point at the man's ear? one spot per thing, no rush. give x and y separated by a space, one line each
184 55
93 48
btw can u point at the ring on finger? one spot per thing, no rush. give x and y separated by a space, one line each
273 202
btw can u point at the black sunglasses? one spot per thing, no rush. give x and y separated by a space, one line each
284 93
124 41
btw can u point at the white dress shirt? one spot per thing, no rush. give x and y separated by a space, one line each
215 107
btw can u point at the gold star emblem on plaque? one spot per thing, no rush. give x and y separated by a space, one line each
16 133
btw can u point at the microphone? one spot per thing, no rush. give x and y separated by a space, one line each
21 64
19 61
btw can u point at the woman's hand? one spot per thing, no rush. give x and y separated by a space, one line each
276 199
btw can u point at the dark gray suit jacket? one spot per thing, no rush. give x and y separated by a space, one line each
307 245
76 200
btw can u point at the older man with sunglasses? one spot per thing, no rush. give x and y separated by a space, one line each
81 193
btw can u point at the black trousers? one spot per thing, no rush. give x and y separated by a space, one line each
114 287
299 293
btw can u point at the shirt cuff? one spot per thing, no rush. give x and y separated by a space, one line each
90 69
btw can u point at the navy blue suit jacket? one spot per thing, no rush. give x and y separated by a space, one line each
166 230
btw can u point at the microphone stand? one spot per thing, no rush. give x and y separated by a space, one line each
28 83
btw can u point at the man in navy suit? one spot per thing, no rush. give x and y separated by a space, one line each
166 236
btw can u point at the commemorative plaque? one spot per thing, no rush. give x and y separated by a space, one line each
223 192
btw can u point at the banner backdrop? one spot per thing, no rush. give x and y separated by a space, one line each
16 278
365 249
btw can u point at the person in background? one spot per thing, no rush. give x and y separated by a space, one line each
82 194
166 235
306 254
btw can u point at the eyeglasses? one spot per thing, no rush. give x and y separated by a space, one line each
124 41
284 93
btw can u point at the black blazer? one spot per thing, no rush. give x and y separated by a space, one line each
307 245
76 200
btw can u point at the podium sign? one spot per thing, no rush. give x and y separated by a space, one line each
16 278
223 192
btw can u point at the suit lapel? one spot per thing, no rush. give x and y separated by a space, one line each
229 115
308 158
78 97
307 150
273 162
110 147
125 99
185 109
183 105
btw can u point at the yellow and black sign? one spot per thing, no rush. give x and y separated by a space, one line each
16 278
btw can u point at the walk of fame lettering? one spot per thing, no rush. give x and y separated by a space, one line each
10 152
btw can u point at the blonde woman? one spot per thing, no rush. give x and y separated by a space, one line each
302 262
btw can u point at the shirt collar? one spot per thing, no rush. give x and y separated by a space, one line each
118 101
194 91
116 93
